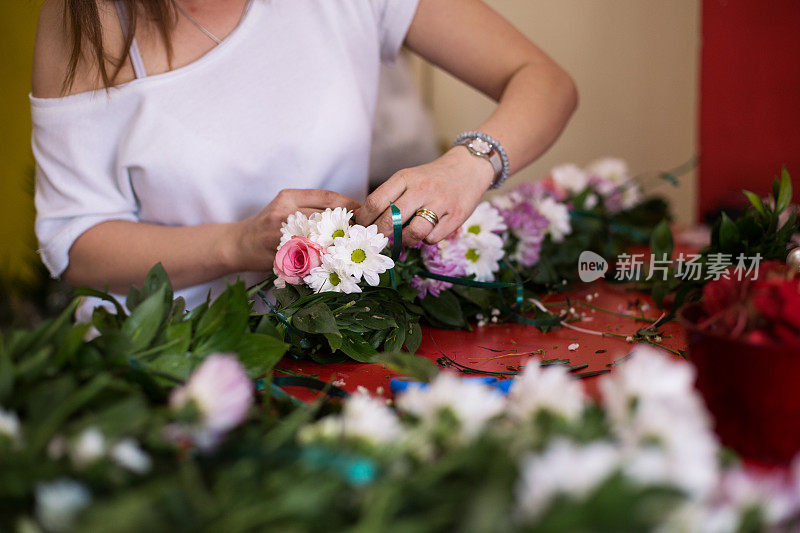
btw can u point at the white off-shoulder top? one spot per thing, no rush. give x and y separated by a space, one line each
286 101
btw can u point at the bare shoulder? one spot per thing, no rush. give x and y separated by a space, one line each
52 51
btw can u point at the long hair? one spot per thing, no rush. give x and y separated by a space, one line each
82 18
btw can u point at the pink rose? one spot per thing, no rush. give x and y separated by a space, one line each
296 258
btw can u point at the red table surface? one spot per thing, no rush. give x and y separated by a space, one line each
499 346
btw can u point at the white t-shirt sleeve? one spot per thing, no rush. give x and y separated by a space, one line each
394 19
78 184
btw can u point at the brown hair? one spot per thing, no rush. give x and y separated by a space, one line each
82 18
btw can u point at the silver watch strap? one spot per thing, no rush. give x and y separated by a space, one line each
491 150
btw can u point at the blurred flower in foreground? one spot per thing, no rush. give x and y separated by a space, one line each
549 389
564 468
127 454
59 502
222 393
471 403
363 418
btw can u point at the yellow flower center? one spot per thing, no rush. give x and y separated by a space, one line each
334 279
338 233
473 255
358 255
476 229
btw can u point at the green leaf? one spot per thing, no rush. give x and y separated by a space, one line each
394 340
85 291
445 309
784 196
145 321
315 319
728 234
408 365
334 340
260 353
178 365
661 244
179 337
357 348
413 337
756 202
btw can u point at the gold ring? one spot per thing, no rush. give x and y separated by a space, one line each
428 215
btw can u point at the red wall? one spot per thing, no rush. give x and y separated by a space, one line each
750 98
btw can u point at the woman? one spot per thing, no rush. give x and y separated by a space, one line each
185 131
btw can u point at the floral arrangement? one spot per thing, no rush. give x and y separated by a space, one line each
118 433
759 308
338 288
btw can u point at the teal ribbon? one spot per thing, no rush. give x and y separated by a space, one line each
397 243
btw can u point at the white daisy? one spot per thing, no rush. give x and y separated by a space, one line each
360 253
330 224
557 214
483 254
570 178
296 225
331 276
613 169
485 219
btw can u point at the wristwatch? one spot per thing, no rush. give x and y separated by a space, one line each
481 145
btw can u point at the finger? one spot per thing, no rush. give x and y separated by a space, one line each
417 230
446 226
378 202
407 204
322 199
308 211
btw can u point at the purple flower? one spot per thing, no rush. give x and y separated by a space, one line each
222 393
445 258
528 225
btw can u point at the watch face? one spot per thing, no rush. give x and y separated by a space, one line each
480 147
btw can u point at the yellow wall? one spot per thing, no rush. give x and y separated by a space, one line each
636 66
17 31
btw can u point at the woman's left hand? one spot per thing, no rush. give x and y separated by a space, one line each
450 186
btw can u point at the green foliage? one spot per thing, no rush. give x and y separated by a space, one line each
764 229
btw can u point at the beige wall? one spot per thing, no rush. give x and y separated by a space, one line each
635 63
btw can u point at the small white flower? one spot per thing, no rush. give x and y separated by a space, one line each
89 447
59 502
613 169
485 219
9 425
360 253
127 454
483 254
563 468
574 346
331 276
296 225
557 214
546 389
570 177
370 419
329 225
473 404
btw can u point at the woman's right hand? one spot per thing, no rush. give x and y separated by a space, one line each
257 237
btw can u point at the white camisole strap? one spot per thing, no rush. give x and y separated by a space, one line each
136 57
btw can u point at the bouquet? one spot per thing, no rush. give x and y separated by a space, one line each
758 309
340 287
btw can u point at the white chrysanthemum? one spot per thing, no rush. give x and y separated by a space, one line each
482 253
88 447
651 402
546 389
127 454
611 168
9 425
563 468
360 253
296 225
331 276
59 502
473 404
570 178
557 214
484 220
329 225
